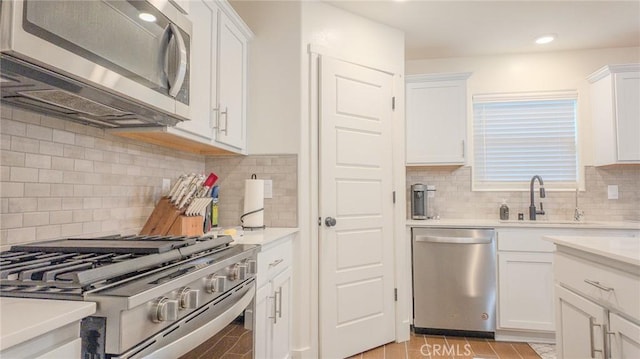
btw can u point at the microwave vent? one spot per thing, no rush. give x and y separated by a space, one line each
73 102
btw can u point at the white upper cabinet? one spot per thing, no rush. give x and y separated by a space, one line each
436 118
615 113
232 73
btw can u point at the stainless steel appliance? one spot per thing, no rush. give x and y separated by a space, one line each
100 62
156 296
418 201
454 281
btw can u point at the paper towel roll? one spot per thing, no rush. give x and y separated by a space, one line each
253 216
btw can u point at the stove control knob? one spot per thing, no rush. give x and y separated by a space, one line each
233 272
217 284
189 298
243 270
164 309
252 266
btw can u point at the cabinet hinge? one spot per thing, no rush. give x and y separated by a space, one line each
394 196
319 221
395 294
393 103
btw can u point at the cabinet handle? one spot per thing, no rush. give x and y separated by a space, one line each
226 120
279 295
592 346
606 342
275 263
462 148
598 285
275 308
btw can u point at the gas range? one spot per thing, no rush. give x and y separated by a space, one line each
150 291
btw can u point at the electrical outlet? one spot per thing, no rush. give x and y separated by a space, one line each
268 188
166 186
612 191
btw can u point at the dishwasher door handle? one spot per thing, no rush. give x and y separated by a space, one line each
458 240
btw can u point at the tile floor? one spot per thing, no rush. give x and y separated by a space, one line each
235 342
440 347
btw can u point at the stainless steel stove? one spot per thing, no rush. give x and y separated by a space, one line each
156 295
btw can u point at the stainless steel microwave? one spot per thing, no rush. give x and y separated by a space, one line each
109 63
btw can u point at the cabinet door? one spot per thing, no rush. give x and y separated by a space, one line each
232 47
204 19
262 327
580 326
436 122
627 113
525 282
624 338
282 323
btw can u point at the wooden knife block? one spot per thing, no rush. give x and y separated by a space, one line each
168 220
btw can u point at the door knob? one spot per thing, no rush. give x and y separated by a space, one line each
330 221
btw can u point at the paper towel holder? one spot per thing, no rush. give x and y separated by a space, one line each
253 176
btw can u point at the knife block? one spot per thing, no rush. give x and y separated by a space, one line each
187 226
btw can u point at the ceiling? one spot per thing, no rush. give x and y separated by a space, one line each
435 29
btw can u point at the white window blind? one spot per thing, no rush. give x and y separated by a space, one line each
517 136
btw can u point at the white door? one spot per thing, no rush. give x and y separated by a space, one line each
356 254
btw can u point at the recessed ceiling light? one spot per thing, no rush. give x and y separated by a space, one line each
147 17
545 39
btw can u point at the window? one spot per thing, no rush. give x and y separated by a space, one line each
520 135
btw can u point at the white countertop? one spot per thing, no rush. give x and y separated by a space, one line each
481 223
23 319
622 249
264 237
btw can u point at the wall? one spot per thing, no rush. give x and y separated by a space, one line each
533 72
279 211
273 94
454 198
62 179
545 71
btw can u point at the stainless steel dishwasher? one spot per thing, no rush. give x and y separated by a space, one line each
454 281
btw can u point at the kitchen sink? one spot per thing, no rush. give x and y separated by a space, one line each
565 222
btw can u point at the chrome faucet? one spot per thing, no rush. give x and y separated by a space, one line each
577 214
532 207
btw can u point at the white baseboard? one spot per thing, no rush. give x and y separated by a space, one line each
529 337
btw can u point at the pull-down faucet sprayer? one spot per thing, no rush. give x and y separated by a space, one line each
532 207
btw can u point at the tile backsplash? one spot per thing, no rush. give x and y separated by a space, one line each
279 211
454 198
63 179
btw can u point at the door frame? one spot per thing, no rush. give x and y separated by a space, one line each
309 173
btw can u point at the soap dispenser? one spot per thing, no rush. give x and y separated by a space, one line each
504 211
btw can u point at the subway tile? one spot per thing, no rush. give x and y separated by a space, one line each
83 166
5 141
61 217
51 148
12 158
37 190
61 163
72 203
85 141
21 235
52 122
21 174
26 116
64 137
50 176
37 161
11 189
82 216
71 229
48 232
71 151
15 128
39 132
49 204
22 204
24 144
11 220
36 219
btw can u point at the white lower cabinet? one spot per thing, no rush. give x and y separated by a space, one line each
526 290
272 330
597 306
580 326
624 338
